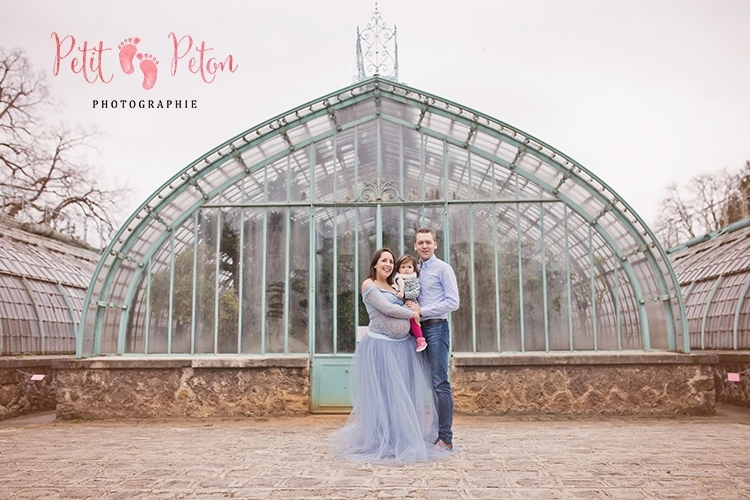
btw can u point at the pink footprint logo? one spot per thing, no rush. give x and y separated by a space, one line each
148 66
127 51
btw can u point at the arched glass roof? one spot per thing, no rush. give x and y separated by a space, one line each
714 272
381 158
43 283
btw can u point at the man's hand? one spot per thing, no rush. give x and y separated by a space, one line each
414 307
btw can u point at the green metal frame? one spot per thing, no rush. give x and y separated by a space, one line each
190 179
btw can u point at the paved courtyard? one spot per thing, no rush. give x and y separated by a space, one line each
288 458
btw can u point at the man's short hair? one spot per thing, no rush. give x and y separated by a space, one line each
425 230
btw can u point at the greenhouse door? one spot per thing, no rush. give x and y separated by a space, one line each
342 243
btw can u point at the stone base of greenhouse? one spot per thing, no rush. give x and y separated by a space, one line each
585 384
509 384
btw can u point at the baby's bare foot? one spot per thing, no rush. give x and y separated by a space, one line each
148 66
127 51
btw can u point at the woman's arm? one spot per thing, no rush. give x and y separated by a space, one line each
371 294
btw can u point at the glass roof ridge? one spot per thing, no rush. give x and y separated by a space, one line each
730 228
372 85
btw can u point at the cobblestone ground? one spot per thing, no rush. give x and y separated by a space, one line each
288 458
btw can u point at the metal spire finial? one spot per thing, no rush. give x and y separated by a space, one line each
373 57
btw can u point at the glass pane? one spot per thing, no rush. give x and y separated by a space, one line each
322 158
433 216
580 284
531 276
412 218
251 283
392 229
182 307
136 332
507 250
277 181
657 325
743 334
556 276
390 153
112 317
505 183
459 173
412 188
367 159
485 277
19 322
300 176
324 286
630 327
205 293
606 297
347 289
299 280
229 283
434 181
720 319
481 172
276 278
161 287
460 260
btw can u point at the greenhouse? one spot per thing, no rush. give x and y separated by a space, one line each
259 247
233 290
714 275
43 280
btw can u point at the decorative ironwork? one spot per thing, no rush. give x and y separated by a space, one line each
375 59
377 191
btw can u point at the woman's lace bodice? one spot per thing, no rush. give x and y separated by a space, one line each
388 315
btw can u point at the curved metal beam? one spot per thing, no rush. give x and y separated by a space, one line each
189 178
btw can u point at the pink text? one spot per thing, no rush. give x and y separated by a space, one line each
200 62
88 63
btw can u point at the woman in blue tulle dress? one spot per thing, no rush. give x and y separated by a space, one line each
393 418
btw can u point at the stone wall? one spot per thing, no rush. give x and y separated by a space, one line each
584 384
19 395
100 388
633 383
735 393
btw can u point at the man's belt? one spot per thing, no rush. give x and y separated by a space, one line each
428 322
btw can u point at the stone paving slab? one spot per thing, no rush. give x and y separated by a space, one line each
288 458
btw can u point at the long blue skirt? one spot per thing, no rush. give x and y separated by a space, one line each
393 419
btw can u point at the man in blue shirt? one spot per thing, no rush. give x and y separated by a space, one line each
438 296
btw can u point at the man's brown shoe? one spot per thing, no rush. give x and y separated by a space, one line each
444 445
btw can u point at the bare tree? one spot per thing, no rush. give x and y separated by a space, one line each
738 205
675 221
45 174
706 203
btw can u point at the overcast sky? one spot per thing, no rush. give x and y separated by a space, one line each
640 92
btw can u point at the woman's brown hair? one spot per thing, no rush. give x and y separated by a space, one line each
375 258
